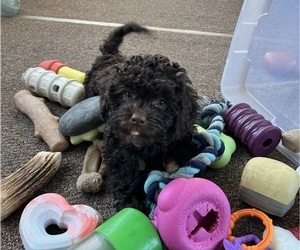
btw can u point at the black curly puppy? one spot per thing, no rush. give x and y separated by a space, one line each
150 110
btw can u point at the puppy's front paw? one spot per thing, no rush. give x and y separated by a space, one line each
132 202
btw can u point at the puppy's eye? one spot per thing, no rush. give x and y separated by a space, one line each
127 94
161 104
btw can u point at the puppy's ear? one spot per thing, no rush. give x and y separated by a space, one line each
104 107
111 95
187 114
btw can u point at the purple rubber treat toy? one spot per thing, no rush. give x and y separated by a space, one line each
192 214
259 135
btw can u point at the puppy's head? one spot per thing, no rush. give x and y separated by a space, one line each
150 101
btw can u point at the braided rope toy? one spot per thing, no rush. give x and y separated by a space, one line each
209 146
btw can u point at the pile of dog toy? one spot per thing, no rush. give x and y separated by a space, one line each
196 209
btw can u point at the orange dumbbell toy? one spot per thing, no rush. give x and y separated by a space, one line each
61 69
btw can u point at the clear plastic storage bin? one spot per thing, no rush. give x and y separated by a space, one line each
262 67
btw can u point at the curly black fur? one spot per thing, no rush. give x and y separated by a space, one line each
150 110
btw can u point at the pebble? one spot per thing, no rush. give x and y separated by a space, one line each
280 62
81 118
291 140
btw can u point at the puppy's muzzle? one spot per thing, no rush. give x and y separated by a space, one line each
138 118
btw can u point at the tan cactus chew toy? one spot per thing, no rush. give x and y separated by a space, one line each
46 124
93 171
21 185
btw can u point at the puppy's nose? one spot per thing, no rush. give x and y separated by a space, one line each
138 118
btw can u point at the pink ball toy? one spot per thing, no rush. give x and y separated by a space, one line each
192 214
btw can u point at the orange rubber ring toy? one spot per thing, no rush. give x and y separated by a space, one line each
268 237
